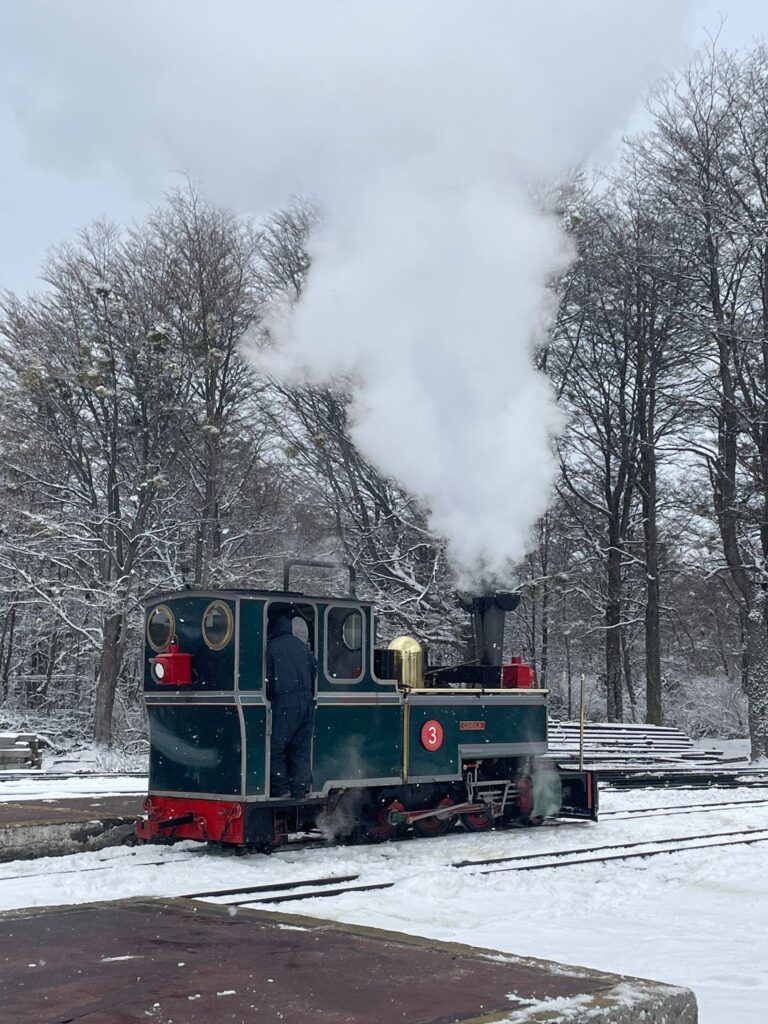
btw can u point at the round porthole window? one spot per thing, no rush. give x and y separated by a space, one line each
352 631
160 627
217 625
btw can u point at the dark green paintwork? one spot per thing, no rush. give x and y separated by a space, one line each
357 742
195 748
255 716
503 724
251 649
212 670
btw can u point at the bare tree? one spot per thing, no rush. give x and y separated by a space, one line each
591 362
708 157
128 424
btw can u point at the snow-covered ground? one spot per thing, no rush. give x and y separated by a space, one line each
94 758
731 749
34 785
696 918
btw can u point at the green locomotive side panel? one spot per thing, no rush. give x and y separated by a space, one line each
255 717
250 669
211 670
506 729
195 748
357 741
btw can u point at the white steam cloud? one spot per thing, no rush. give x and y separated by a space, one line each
429 280
421 126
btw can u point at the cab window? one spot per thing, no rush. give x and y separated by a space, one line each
160 628
344 644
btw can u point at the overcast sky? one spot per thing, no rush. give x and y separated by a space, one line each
81 83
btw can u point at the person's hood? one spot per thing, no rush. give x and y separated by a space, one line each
280 626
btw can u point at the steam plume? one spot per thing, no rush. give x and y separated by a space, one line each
421 126
429 280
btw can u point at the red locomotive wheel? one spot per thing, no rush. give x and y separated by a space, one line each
477 821
525 801
435 826
524 795
381 828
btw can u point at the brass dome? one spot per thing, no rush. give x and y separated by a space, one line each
409 660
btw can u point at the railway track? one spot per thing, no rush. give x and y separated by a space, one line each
103 867
654 847
284 892
672 809
339 885
748 779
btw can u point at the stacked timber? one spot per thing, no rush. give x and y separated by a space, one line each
616 749
20 750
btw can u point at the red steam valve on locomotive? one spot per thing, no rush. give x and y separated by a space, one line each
173 667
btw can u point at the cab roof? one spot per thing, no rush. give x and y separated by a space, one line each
264 595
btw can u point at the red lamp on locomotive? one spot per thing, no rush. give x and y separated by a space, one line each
173 667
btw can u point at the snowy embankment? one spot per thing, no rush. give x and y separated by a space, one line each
695 918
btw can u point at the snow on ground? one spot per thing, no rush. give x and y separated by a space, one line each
93 757
696 918
35 785
729 748
732 751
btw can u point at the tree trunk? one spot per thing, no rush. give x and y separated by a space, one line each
569 676
109 671
10 627
544 548
654 713
757 683
613 636
53 647
627 664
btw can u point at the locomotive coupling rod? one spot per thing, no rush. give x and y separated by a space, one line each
397 817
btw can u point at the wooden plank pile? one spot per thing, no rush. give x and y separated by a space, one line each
620 748
20 750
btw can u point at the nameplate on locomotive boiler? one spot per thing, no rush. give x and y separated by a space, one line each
471 725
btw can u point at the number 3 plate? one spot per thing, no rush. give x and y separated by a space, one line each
432 735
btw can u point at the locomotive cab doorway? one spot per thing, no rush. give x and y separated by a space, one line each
303 617
303 626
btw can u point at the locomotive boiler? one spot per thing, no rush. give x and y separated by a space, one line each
398 744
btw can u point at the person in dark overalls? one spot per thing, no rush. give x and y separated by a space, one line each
291 669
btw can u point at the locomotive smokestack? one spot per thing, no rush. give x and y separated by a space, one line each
488 613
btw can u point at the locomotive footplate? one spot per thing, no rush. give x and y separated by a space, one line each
140 960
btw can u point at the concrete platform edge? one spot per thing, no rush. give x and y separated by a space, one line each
630 1001
622 1000
25 841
